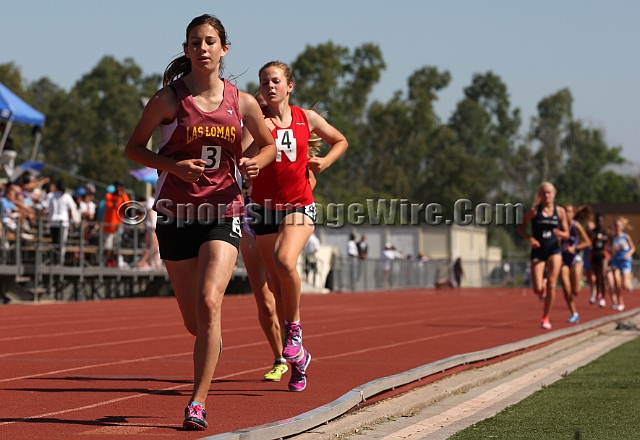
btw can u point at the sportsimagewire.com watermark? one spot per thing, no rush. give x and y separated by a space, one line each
338 215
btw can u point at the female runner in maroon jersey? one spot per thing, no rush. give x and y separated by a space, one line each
283 211
199 200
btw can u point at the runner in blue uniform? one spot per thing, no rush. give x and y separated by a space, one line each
571 272
622 250
548 226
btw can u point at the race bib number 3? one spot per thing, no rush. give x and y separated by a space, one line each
286 143
211 154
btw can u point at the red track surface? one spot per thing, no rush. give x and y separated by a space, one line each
123 367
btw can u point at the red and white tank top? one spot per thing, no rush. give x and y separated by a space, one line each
285 181
214 137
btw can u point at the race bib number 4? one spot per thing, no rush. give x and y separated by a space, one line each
286 143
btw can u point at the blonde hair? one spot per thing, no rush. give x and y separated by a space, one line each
625 223
315 142
537 199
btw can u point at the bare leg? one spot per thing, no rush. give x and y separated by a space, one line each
265 299
619 283
567 287
612 285
280 254
537 275
200 300
554 262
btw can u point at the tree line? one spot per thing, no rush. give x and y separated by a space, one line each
399 149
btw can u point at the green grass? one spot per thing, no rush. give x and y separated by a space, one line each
598 401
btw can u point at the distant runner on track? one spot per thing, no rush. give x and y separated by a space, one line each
549 226
571 272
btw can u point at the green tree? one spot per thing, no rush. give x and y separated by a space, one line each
11 77
88 128
401 135
548 130
338 82
585 175
473 161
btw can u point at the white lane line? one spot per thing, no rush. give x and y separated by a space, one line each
92 322
85 331
105 364
127 361
120 399
82 347
413 341
494 395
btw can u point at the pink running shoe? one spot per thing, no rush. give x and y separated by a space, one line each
545 324
194 418
292 341
298 381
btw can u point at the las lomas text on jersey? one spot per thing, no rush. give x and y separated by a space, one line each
222 132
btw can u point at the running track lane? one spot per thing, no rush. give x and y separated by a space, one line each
123 367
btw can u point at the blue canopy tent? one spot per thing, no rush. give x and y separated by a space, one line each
146 175
12 108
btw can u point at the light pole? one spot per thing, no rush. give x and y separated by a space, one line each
143 101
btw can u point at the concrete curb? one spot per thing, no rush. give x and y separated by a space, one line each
322 415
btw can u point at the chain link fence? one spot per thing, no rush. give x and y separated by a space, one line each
353 274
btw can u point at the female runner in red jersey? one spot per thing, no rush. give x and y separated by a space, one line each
283 213
199 199
270 313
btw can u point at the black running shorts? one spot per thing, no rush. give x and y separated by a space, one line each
178 241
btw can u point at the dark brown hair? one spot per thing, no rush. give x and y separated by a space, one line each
582 213
181 66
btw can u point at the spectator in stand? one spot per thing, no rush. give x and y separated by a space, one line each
87 209
16 212
60 207
111 221
31 184
78 197
363 247
310 258
388 255
458 272
87 205
8 156
352 254
352 246
151 255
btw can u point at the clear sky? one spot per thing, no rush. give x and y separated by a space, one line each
536 47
